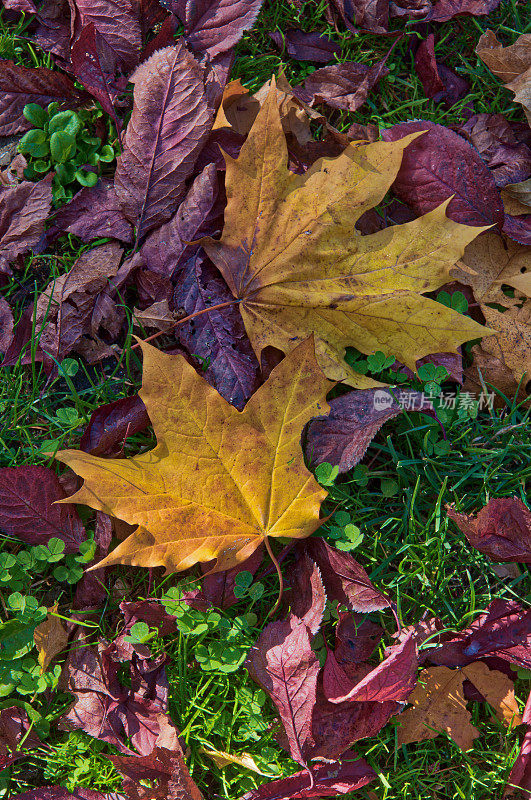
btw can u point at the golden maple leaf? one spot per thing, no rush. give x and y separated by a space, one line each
291 254
219 481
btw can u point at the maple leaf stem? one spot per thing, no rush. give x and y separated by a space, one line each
280 578
185 319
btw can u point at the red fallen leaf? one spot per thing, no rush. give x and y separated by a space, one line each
306 46
111 423
85 56
169 123
53 32
345 580
25 6
218 587
343 86
504 632
200 214
60 793
149 611
508 159
166 768
15 726
107 710
6 325
518 228
22 85
393 679
283 663
370 15
94 212
27 495
356 638
214 26
501 530
330 780
23 213
90 591
306 598
117 28
164 38
444 10
342 438
438 82
218 336
520 774
440 164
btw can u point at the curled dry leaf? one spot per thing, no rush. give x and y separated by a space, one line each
278 254
512 341
507 63
167 128
497 689
223 494
343 86
501 530
307 598
222 759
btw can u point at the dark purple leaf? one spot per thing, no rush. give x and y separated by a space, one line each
87 66
117 28
440 164
217 337
215 26
60 793
90 591
149 611
443 10
330 780
345 580
94 212
111 423
520 774
22 85
356 638
438 82
501 530
306 598
27 495
54 30
284 664
371 15
164 38
25 6
169 123
508 159
393 679
23 213
343 86
164 768
342 438
15 726
518 228
218 587
6 325
306 46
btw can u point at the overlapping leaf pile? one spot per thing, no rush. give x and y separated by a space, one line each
225 207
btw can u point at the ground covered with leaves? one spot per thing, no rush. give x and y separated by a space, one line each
264 325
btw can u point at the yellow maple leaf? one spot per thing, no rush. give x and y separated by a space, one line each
291 254
219 481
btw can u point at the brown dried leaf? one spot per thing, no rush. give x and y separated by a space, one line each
50 638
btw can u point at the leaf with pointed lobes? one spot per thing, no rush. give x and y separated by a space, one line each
22 85
440 163
345 581
168 126
501 530
23 213
29 510
50 638
202 494
165 770
94 212
278 254
342 438
306 598
393 679
497 689
507 63
330 780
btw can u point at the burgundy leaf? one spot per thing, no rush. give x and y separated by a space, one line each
199 214
306 46
85 55
23 213
60 793
520 774
508 159
90 591
163 767
343 86
518 228
306 598
15 726
118 31
501 530
330 780
149 611
25 6
356 638
345 580
342 438
284 664
169 123
111 423
216 336
27 495
438 82
94 212
443 10
54 28
440 164
218 587
215 26
393 679
164 38
22 85
6 325
371 15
